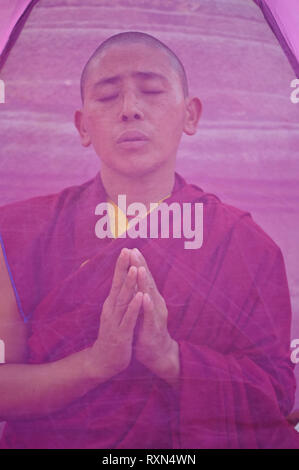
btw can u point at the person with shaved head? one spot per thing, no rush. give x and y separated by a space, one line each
120 333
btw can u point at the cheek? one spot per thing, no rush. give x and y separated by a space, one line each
97 127
172 107
172 118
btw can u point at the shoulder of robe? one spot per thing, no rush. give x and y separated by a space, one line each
223 222
248 236
32 216
228 222
215 208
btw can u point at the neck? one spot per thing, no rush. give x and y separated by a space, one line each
146 188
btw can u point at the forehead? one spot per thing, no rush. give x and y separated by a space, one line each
128 58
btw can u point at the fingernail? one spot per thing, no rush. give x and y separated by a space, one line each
132 270
142 270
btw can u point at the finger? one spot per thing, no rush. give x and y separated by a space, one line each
126 293
147 284
148 310
120 272
138 260
143 280
129 319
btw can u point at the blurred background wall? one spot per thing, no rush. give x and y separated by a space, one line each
247 146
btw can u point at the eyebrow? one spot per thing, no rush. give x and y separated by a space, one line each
143 75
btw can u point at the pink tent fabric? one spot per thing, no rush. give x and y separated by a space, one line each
11 11
13 14
283 18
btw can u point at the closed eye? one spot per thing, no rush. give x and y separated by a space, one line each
146 92
107 98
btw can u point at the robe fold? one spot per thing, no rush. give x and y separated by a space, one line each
228 309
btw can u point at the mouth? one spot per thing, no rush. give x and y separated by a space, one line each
132 144
130 137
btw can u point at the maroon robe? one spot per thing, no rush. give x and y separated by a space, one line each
229 311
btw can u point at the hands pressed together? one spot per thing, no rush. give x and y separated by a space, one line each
134 293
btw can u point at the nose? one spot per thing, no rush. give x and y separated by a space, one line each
131 108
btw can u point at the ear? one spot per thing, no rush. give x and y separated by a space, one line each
193 113
79 123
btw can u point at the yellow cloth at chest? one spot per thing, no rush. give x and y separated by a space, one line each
118 220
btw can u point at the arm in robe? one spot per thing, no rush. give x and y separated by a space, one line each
236 392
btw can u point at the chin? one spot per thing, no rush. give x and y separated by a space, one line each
140 170
135 165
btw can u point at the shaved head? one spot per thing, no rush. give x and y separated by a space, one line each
136 37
